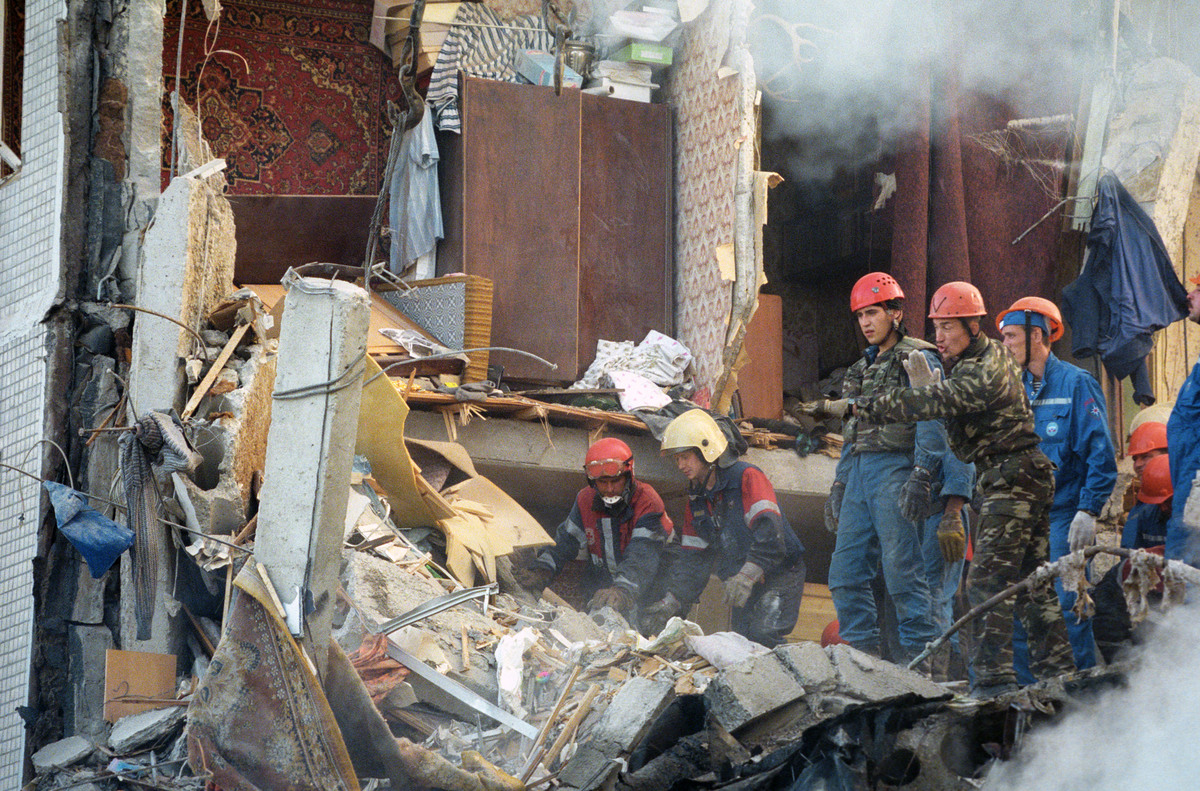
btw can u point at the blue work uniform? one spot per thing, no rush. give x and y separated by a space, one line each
1146 526
872 533
1071 418
1183 445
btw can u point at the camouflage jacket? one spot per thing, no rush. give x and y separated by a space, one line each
983 401
876 373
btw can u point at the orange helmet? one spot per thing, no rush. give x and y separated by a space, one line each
956 300
874 288
1147 437
608 458
1035 305
1156 480
830 635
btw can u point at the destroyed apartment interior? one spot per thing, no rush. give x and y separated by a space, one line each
375 368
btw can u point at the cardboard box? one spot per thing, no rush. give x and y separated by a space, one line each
537 66
645 52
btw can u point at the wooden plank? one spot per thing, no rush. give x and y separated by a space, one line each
760 381
136 674
215 371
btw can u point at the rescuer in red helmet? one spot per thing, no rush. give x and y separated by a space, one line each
624 526
1147 523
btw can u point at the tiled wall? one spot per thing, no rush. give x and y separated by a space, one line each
30 208
706 128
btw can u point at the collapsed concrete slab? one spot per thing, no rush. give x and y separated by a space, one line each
138 730
873 680
810 665
751 689
629 715
62 753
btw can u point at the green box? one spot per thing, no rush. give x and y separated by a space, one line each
645 52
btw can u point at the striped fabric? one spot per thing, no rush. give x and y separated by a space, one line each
486 52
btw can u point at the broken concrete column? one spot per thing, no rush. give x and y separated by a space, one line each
88 647
186 266
310 449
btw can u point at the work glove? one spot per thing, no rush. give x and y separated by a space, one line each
826 408
533 578
952 537
655 617
915 495
920 372
617 598
833 506
1083 531
738 587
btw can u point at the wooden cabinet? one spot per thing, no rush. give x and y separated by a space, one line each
564 202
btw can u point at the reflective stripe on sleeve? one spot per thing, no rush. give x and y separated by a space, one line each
759 507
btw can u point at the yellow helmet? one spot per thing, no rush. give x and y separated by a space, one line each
694 429
1158 413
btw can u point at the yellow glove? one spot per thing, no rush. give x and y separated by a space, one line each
952 537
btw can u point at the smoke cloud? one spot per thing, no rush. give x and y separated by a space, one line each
839 76
1142 736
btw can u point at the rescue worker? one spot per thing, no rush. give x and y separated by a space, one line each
1183 439
732 527
1146 525
1146 441
1071 418
882 465
624 526
989 423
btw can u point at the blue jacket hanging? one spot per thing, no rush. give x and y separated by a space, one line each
1127 291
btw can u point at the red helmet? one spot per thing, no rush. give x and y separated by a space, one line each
1156 480
956 300
1147 437
608 458
830 635
874 288
1043 307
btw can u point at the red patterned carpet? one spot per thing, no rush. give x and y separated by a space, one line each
309 115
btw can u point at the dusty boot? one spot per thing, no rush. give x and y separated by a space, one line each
939 666
868 648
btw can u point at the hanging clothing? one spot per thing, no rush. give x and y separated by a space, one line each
1126 292
414 202
481 43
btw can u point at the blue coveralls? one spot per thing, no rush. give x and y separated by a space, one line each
1070 416
957 479
872 532
1183 445
1146 526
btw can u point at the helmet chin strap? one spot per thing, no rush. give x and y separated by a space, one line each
1028 319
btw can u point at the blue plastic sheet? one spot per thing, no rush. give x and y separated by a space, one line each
99 539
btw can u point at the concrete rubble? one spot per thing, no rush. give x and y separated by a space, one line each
598 705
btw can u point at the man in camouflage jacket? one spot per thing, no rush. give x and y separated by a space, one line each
989 423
